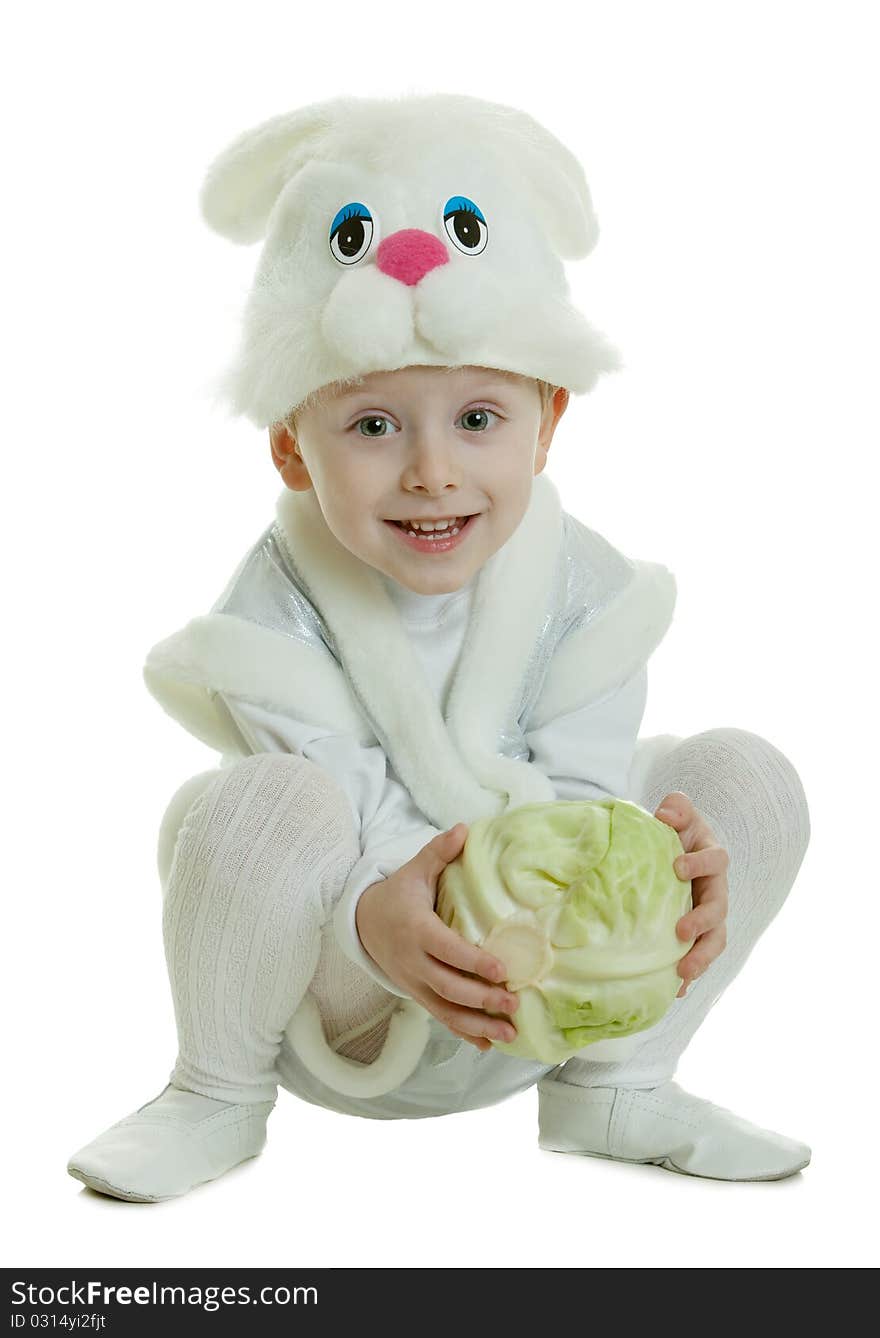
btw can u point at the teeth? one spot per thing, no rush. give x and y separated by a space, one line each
428 526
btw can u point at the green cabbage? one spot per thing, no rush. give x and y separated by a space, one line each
579 900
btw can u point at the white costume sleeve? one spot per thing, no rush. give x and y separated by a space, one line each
587 754
392 830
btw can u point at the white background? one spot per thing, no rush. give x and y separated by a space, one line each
731 152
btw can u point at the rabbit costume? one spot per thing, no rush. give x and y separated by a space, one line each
426 230
587 621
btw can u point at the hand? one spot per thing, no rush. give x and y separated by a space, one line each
399 928
706 863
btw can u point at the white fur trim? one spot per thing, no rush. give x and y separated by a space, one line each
246 660
404 1045
455 770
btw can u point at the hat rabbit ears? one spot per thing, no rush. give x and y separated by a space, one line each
244 182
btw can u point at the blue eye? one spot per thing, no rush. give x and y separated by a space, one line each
351 233
465 225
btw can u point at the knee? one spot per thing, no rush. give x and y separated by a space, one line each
179 805
259 792
268 779
760 781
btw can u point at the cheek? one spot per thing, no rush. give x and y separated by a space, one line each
356 482
344 490
355 516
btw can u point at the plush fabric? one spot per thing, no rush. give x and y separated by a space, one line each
416 230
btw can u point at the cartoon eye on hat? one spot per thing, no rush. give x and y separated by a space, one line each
351 233
465 225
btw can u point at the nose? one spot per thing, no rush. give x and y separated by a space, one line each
433 470
410 254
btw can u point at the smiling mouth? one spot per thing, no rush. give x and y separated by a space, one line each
425 542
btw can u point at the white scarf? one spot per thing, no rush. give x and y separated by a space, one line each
450 766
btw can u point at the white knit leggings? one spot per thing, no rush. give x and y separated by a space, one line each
753 800
252 865
257 864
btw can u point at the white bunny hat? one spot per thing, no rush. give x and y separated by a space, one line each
424 229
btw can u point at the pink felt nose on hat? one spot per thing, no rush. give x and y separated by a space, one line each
410 254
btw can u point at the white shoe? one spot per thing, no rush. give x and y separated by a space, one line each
664 1126
170 1145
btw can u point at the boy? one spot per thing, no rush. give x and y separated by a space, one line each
410 346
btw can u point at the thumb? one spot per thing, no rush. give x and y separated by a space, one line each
446 847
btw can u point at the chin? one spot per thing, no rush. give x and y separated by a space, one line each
447 586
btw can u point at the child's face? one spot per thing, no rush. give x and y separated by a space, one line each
422 443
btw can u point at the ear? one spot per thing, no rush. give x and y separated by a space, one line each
244 181
551 416
287 459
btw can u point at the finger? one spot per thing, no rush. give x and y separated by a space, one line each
480 1042
710 894
676 809
444 848
711 891
448 946
701 863
708 915
702 954
467 1022
474 993
679 812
